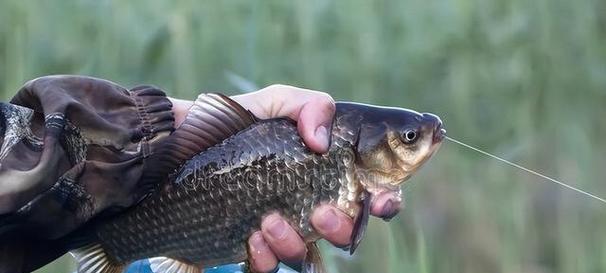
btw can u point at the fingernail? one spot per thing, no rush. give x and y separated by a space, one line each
277 228
329 222
257 243
322 136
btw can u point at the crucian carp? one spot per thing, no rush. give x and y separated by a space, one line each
207 203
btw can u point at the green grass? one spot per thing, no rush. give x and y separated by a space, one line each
523 79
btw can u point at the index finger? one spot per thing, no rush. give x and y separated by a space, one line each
312 110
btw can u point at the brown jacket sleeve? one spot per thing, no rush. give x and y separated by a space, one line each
71 148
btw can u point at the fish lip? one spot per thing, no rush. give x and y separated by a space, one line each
438 134
435 122
438 131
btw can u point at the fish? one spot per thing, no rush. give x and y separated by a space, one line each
224 169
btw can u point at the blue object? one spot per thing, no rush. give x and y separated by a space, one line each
142 266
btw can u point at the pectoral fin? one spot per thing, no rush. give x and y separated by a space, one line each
93 259
360 222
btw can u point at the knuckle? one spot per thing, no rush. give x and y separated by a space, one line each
279 87
325 101
327 97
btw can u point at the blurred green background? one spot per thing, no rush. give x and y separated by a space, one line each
523 79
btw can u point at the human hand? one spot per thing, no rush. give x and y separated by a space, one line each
313 111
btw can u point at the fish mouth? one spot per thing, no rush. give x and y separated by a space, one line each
439 132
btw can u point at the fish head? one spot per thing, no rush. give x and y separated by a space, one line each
393 143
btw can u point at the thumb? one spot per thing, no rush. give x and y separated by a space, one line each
314 122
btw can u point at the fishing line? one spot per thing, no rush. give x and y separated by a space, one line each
527 170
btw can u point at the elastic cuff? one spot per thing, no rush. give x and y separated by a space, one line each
211 119
154 110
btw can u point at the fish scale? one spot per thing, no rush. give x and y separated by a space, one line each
213 226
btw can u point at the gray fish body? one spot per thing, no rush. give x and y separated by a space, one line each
208 208
219 197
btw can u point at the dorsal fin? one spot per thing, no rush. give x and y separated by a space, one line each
211 119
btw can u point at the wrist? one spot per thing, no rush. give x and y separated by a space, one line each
180 109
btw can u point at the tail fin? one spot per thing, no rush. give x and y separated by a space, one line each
93 259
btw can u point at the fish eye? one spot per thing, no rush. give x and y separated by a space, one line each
410 136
